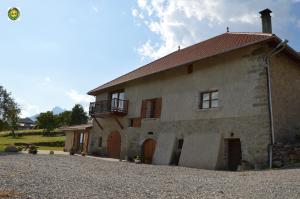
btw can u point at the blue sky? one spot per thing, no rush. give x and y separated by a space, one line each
61 49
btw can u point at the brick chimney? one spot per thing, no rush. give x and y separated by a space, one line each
266 20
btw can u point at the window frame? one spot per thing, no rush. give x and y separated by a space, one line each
117 103
152 108
210 99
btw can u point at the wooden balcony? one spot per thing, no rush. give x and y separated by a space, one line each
107 108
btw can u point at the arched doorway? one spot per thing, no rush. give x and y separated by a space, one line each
114 145
148 150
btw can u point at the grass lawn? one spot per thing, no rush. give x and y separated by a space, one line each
37 131
31 139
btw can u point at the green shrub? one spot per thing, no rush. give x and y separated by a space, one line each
32 149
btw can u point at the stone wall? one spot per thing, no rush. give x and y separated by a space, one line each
285 154
286 94
242 113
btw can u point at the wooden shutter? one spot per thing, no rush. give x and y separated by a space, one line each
157 106
136 122
144 109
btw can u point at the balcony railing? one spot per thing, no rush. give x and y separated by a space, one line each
105 108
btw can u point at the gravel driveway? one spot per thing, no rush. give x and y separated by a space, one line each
60 176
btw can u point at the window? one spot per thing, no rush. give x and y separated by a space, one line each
209 100
100 142
151 108
131 122
135 122
117 100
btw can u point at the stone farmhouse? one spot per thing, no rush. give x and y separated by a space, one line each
211 105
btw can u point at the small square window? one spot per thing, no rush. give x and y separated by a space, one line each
135 122
209 100
131 122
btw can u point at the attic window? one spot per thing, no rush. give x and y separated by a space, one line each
209 100
135 122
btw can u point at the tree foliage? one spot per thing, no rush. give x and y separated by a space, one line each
9 111
47 121
64 118
78 115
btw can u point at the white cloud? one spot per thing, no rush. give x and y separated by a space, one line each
298 23
27 109
246 18
134 12
142 3
185 22
78 98
47 79
95 9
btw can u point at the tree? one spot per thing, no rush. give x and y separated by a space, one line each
13 113
47 121
9 112
78 115
64 118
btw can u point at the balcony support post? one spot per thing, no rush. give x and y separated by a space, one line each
119 123
98 123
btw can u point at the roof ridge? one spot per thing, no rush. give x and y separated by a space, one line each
252 33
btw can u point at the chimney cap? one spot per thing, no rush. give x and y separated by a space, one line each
265 11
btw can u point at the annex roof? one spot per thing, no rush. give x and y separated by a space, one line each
77 127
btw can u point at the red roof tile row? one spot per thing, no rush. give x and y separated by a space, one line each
217 45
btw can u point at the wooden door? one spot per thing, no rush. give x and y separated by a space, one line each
76 143
86 143
148 150
114 145
234 154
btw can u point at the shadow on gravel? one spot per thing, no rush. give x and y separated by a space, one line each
9 153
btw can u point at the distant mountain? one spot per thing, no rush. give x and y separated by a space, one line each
56 110
33 118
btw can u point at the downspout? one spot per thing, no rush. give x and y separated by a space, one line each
267 61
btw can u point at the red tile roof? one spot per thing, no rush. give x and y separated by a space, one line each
217 45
